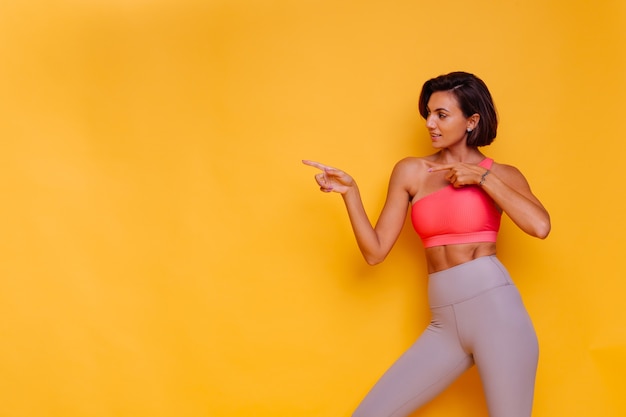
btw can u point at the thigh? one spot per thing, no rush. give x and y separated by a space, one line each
505 350
432 363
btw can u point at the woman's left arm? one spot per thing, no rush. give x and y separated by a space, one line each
509 189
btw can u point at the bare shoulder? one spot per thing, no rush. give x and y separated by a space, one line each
410 169
409 174
509 174
413 164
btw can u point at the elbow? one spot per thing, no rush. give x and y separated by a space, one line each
374 254
543 230
544 233
373 259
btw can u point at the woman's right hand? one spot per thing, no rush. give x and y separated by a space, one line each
331 179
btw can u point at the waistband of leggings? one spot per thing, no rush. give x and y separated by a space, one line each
466 280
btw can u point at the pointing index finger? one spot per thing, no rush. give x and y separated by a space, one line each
434 167
316 165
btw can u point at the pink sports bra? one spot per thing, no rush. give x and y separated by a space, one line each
451 215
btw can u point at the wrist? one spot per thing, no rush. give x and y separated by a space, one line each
483 177
350 190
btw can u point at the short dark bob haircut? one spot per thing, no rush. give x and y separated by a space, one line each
473 97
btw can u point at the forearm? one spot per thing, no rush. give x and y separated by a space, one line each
526 212
365 234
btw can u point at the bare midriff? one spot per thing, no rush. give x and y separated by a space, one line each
443 257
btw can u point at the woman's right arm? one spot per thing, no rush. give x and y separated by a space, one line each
376 242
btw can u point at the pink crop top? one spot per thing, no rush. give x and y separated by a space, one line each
451 215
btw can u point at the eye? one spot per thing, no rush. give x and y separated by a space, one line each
442 115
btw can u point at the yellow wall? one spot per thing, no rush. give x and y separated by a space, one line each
164 252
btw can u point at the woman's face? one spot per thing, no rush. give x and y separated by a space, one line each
446 122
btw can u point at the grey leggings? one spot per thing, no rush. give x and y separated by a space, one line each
477 317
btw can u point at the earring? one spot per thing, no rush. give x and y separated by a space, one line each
469 130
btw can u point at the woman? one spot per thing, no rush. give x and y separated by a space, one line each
456 197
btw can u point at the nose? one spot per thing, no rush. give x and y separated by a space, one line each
430 122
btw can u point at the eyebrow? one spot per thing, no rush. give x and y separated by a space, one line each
438 109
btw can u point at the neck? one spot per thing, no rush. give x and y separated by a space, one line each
465 154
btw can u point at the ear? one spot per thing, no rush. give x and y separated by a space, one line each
472 121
